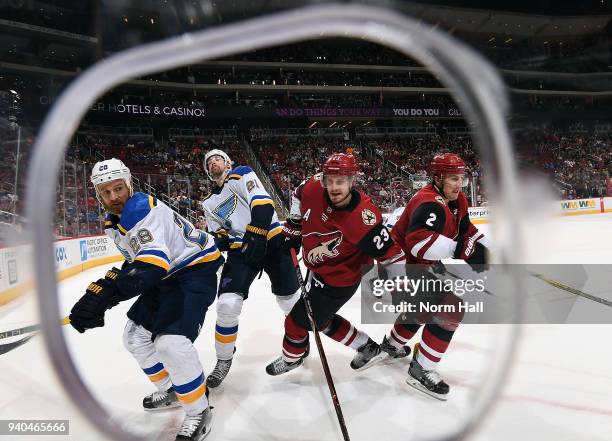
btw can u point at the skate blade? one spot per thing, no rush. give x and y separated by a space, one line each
374 360
161 409
289 369
389 360
418 386
205 433
207 428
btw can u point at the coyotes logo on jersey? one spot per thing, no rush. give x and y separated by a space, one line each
321 246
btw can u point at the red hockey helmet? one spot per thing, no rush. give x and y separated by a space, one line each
446 163
341 164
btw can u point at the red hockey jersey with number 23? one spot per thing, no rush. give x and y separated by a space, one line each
337 243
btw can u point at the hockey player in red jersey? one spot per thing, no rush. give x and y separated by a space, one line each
340 230
435 225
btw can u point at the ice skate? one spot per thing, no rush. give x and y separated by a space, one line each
367 355
280 366
429 382
195 428
307 351
394 352
219 373
160 400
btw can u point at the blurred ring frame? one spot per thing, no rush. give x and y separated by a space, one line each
475 84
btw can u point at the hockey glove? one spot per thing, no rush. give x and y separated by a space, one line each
254 244
473 253
221 240
292 234
112 274
88 312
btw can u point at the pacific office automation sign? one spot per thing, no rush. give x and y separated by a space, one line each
156 111
368 112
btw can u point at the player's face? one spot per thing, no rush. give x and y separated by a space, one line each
114 195
452 185
338 189
216 166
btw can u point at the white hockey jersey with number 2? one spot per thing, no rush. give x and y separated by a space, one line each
229 208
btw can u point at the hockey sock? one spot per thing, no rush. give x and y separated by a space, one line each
286 302
433 345
158 376
225 341
341 330
137 340
229 307
183 364
401 333
295 340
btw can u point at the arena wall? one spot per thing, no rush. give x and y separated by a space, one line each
72 256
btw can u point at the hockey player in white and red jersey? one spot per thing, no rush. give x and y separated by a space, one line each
240 213
435 225
172 268
341 232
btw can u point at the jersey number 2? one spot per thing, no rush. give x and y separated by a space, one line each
431 219
190 234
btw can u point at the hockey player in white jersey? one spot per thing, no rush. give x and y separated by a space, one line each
240 213
172 268
392 219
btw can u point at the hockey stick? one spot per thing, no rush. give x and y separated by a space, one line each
569 289
19 331
6 347
27 329
315 331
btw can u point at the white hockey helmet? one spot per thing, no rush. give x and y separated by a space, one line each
215 152
109 170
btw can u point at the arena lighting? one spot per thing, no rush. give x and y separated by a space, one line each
480 94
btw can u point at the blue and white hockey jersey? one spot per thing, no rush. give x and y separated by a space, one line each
149 231
229 208
393 217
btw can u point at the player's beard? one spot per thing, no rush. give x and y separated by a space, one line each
451 193
217 175
342 199
114 209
